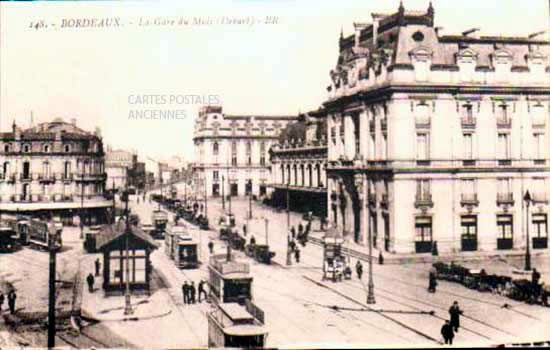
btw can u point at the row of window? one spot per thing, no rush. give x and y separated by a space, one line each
469 231
86 167
504 186
47 148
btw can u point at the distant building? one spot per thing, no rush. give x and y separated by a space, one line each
118 165
53 169
298 162
436 138
231 151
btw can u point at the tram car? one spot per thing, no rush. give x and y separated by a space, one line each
39 233
231 325
9 241
20 226
159 218
185 254
230 281
335 263
171 236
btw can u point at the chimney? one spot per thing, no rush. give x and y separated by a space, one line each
32 120
73 121
97 132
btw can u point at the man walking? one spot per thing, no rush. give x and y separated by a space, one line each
185 290
447 333
202 291
11 301
297 254
211 247
97 266
293 232
455 313
244 230
359 269
192 292
432 281
90 279
1 301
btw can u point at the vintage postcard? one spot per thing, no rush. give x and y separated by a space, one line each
288 174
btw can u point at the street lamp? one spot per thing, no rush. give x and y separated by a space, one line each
223 193
250 199
527 199
288 258
127 299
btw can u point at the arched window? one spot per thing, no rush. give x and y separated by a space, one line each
7 148
26 148
6 168
67 170
215 148
67 148
46 148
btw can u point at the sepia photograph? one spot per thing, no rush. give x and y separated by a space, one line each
278 174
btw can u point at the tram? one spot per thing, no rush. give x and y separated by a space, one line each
8 239
235 321
231 325
335 263
90 236
159 219
181 246
230 281
39 233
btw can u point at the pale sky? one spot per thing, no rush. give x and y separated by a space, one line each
94 74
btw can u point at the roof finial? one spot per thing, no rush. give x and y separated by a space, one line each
401 7
341 32
430 9
13 126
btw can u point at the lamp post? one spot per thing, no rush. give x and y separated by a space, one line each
250 199
223 193
82 209
127 299
288 252
205 199
527 199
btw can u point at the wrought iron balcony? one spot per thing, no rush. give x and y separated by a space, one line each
423 200
384 201
505 198
384 124
423 122
46 178
468 122
469 199
25 177
504 123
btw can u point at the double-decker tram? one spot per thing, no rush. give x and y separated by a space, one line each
235 320
181 246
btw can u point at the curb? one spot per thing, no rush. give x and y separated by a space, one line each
123 319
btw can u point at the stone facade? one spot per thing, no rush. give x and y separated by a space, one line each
53 168
299 161
437 138
118 165
231 151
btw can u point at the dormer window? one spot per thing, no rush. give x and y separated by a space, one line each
26 148
421 58
466 60
535 62
502 63
47 148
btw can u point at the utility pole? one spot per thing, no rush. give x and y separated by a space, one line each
205 199
51 297
527 199
250 199
128 304
114 203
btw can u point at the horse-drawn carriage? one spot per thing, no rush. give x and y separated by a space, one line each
260 253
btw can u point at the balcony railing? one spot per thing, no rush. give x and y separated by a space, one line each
423 199
384 124
504 123
423 122
27 177
372 198
505 198
469 199
46 177
468 122
89 176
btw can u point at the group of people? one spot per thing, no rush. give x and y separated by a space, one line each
11 301
451 326
190 291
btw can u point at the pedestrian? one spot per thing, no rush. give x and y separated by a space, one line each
292 245
297 255
535 277
293 232
244 230
308 227
432 282
300 228
211 247
90 279
1 301
252 240
97 266
192 292
455 313
185 290
359 269
202 291
323 223
447 333
11 301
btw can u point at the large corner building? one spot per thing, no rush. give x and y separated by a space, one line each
436 138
